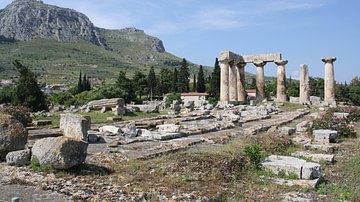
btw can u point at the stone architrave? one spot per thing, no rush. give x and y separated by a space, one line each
329 82
260 81
281 80
232 82
224 81
241 82
304 84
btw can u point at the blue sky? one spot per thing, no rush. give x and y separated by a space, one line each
302 30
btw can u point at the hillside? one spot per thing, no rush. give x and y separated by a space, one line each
57 43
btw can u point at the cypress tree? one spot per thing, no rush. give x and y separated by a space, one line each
175 82
201 80
151 79
80 84
184 77
194 83
215 80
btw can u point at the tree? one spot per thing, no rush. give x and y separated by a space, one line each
165 81
201 81
316 87
354 91
215 80
80 84
140 83
126 86
194 83
151 80
27 90
184 77
7 95
175 82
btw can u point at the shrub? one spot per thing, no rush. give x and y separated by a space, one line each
20 113
255 154
171 97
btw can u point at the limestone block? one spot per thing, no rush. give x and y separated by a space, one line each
315 100
168 128
287 130
110 129
75 126
304 126
294 99
165 136
18 158
60 152
329 148
341 115
324 136
310 171
130 130
289 165
314 157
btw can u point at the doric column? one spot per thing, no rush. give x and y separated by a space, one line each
281 80
232 82
241 82
224 81
329 80
260 81
304 84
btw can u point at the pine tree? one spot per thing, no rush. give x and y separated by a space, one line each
151 79
184 77
140 83
215 80
27 90
165 81
125 86
201 80
175 82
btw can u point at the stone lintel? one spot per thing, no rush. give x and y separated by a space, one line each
261 57
228 56
328 59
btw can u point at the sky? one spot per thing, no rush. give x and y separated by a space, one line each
303 31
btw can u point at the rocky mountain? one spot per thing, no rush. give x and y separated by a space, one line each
57 42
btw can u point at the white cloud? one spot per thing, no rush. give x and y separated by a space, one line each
217 18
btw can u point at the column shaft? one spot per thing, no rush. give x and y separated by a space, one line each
304 84
281 81
224 81
329 80
241 82
260 81
232 82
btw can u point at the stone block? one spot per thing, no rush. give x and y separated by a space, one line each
315 100
314 157
304 126
289 165
286 130
114 119
329 148
110 129
168 128
341 115
294 99
324 136
41 122
310 171
75 126
165 136
18 158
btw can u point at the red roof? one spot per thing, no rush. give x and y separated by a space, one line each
194 94
251 91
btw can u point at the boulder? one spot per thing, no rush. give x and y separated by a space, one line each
60 152
314 157
168 128
130 130
13 135
286 130
110 129
18 158
75 126
324 136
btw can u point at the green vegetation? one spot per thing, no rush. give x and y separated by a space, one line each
254 153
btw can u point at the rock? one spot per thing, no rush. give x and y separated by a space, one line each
93 138
341 115
301 183
301 140
168 128
314 157
41 122
18 158
286 130
324 136
291 165
110 129
60 152
304 126
165 136
75 126
113 143
13 135
294 99
130 130
296 197
114 119
329 148
315 100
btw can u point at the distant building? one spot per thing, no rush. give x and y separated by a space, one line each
198 98
48 89
251 94
7 82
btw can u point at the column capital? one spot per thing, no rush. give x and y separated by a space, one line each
259 63
241 64
281 62
328 59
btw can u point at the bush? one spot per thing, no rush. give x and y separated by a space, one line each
171 97
20 113
342 125
213 100
255 154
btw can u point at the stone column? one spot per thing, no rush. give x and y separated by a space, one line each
260 81
224 81
241 82
304 84
281 81
232 82
329 80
